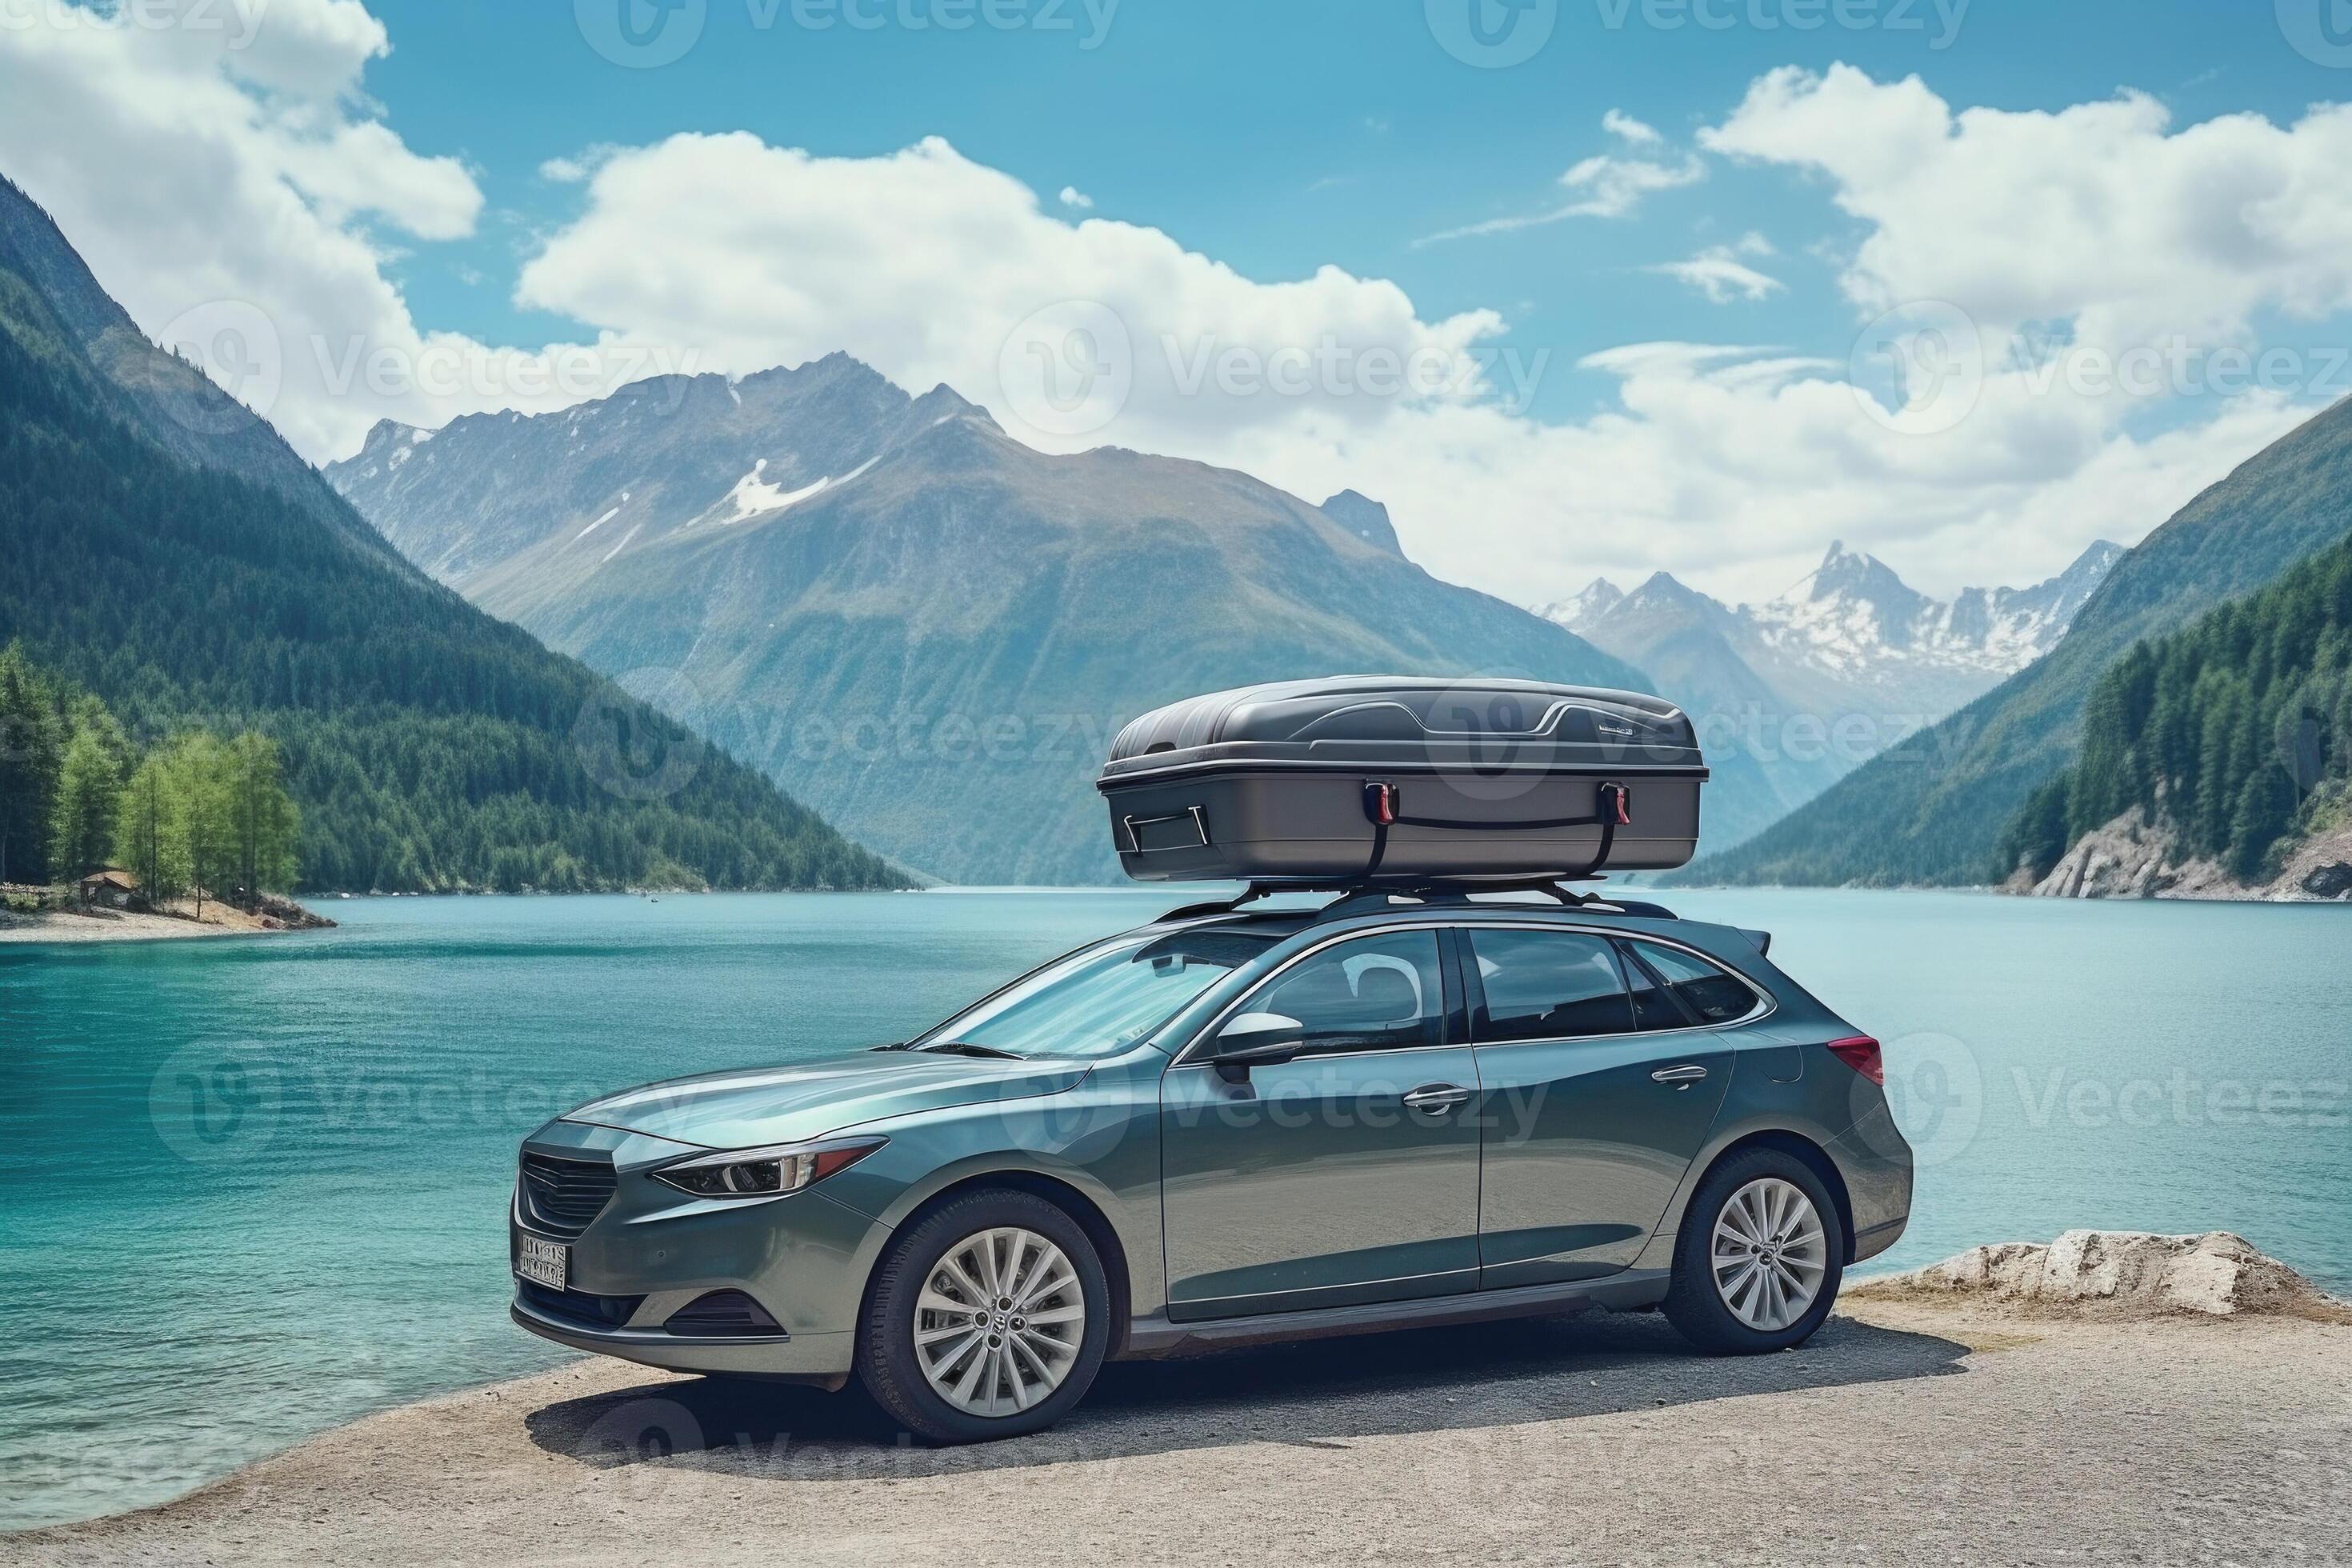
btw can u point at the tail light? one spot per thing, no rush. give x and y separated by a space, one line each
1861 1054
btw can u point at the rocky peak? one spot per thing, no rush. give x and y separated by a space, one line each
1590 604
1365 517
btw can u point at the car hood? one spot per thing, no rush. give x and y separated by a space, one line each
757 1106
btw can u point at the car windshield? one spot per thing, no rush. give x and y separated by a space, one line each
1100 999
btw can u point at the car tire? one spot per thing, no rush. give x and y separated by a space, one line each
1751 1201
1033 1373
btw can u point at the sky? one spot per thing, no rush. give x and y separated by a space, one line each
1576 287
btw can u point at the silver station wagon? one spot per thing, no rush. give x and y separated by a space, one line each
1238 1123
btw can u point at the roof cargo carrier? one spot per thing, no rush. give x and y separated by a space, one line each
1362 779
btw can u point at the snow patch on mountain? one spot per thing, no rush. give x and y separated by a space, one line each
1596 599
755 497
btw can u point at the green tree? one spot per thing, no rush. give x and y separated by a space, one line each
198 769
262 817
147 833
29 759
2265 811
87 798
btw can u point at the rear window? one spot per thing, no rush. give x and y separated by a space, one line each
1713 995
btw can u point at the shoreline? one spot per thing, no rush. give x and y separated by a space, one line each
76 928
726 1470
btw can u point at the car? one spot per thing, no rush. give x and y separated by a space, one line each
1242 1122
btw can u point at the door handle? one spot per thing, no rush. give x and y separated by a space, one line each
1437 1098
1690 1074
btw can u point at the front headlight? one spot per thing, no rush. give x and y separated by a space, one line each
764 1173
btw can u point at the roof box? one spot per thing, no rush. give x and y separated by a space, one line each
1363 778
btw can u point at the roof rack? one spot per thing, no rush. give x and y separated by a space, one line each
1363 898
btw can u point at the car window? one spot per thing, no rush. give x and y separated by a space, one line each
1712 995
1546 985
1102 999
1377 992
1654 1006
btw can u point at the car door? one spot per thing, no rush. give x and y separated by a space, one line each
1346 1170
1595 1096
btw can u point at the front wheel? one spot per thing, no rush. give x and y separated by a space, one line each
1758 1259
988 1318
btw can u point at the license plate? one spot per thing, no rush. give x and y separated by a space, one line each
541 1262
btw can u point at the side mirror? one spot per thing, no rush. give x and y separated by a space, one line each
1257 1039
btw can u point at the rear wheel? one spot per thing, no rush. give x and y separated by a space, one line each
1760 1256
988 1318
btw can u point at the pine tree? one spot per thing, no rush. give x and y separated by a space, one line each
29 759
2265 810
146 835
89 792
197 766
262 817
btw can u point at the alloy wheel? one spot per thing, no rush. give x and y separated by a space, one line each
999 1321
1770 1254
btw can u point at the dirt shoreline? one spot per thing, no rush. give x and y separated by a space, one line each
63 926
1906 1432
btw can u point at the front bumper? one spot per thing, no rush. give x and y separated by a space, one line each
652 1251
816 1357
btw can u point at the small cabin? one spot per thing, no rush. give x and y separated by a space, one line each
113 888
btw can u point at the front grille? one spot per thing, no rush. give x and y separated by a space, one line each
560 1196
578 1306
722 1313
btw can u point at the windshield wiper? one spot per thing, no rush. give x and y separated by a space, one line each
966 1048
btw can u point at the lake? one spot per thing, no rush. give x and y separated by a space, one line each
256 1188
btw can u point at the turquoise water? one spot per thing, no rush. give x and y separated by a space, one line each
256 1188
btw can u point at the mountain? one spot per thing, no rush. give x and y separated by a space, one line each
1931 809
924 627
2213 761
165 552
1813 682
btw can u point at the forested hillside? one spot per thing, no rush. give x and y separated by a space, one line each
428 746
2229 735
1933 809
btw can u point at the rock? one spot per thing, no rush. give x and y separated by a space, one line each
2330 882
2111 1274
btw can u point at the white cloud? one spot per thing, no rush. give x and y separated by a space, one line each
1719 274
1604 185
1617 123
1074 197
225 152
2101 214
925 264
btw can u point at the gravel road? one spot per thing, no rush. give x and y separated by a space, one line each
1903 1434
